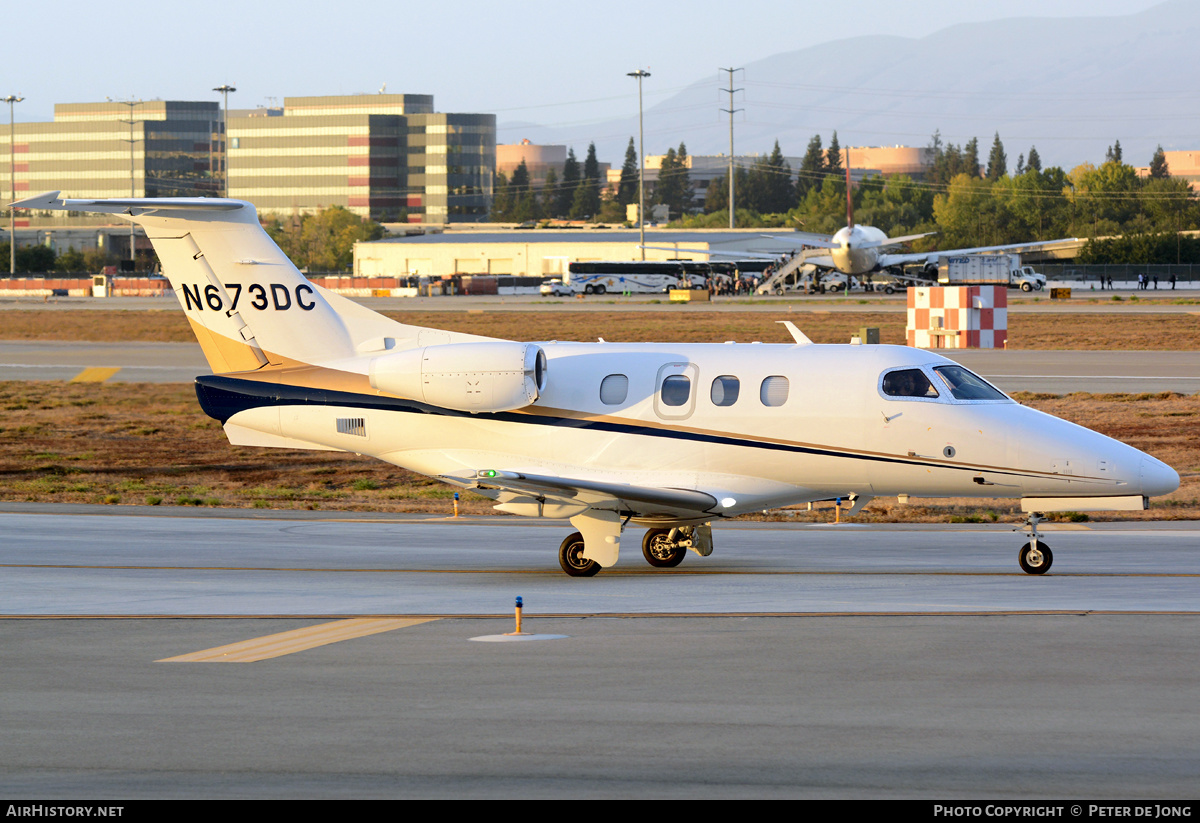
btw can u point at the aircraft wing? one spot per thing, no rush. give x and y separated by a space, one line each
896 241
741 255
886 260
577 495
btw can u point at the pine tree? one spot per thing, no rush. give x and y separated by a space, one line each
1158 165
812 168
771 184
1035 161
833 157
997 165
1020 165
674 186
501 202
586 200
971 157
627 189
566 190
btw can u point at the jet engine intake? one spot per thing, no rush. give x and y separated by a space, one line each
471 377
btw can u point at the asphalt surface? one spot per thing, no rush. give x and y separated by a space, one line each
1057 372
795 662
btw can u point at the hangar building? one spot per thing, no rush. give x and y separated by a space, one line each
545 253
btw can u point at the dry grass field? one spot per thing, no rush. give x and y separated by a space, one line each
150 444
1156 332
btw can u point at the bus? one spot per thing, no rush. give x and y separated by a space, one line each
631 277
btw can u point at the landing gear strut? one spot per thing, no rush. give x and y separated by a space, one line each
1035 556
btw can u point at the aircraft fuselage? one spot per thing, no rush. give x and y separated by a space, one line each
808 422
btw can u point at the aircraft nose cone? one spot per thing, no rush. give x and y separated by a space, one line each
1157 477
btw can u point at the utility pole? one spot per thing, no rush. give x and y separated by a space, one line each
639 74
132 187
225 89
731 111
12 180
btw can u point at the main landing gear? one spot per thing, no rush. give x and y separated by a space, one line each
1035 556
662 548
570 557
661 551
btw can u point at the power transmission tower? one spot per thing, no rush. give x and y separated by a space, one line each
731 110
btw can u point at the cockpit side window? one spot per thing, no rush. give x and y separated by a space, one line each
908 383
966 385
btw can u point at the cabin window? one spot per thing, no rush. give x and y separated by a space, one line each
966 385
908 383
725 390
614 389
676 390
774 391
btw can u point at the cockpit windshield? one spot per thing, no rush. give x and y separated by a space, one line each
908 383
966 385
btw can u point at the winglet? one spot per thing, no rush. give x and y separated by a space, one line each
800 337
45 200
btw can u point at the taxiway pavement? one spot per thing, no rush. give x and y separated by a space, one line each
795 662
1058 372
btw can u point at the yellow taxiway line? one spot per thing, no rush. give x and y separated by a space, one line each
94 374
297 640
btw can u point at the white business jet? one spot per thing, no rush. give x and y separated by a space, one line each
669 436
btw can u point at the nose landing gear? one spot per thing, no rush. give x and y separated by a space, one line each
1035 556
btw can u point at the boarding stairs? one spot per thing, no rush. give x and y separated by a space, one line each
792 273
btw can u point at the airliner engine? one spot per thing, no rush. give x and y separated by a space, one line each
471 377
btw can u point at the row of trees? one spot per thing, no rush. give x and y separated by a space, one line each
573 196
968 203
579 194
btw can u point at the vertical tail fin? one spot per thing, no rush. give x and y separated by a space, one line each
242 296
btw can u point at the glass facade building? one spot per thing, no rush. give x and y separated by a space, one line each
151 148
387 157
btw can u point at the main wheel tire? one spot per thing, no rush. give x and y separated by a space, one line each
570 557
658 552
589 289
1038 287
1026 287
601 289
1035 557
889 290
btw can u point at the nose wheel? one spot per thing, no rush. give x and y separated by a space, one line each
1035 556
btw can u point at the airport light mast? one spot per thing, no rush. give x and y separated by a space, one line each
225 88
639 74
132 187
12 180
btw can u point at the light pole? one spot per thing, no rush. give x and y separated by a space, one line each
132 187
225 89
639 74
12 99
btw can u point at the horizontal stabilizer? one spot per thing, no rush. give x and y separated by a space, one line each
51 200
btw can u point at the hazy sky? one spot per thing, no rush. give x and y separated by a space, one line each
552 63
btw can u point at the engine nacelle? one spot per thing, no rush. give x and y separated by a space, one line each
471 377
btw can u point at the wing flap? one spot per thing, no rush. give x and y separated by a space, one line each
643 500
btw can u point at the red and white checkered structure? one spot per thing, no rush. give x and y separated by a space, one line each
958 317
